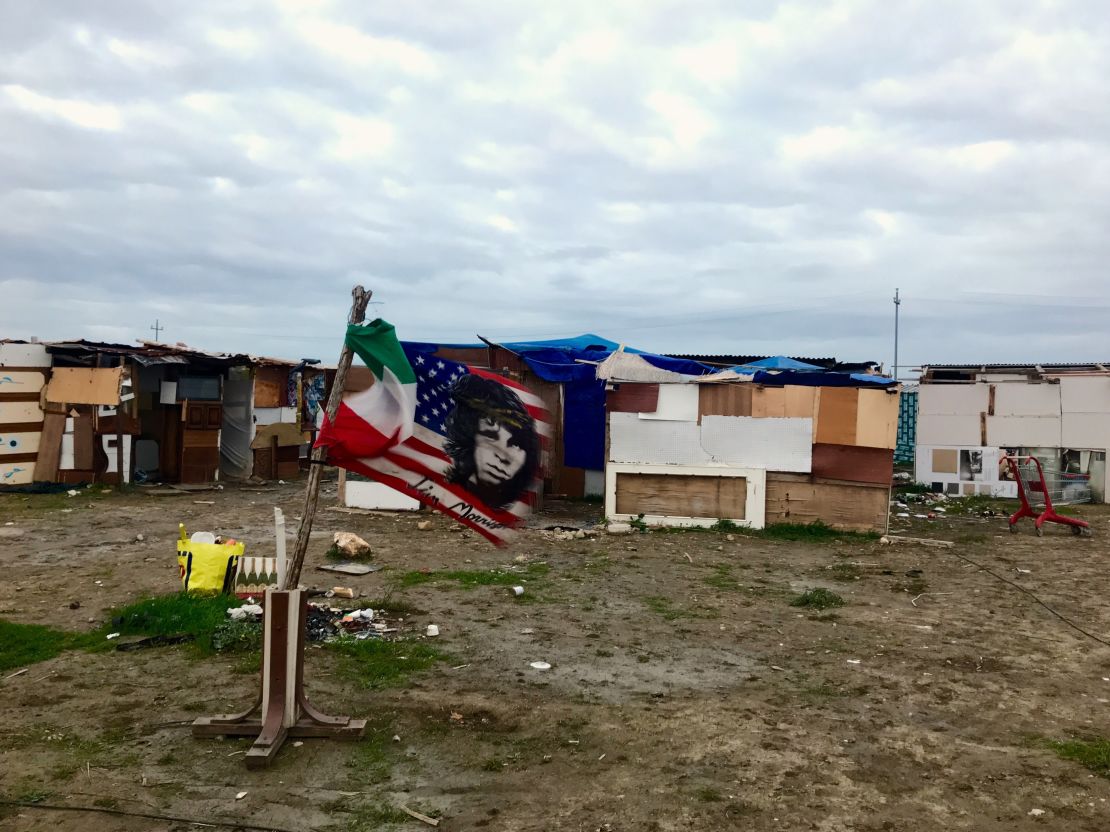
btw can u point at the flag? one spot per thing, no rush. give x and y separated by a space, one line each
460 439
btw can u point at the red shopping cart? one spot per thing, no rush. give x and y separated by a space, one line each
1041 488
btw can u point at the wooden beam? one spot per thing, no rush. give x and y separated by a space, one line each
360 297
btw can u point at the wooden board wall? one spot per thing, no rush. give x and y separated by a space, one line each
837 414
724 400
629 397
802 498
853 463
877 419
682 495
270 386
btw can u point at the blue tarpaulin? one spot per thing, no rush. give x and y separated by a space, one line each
775 362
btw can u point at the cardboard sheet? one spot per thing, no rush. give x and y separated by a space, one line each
775 444
287 436
632 439
837 415
877 419
945 461
81 385
677 403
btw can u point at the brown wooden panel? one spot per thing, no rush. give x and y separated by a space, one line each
123 423
83 440
194 416
682 495
724 400
800 402
836 416
632 398
853 463
800 498
50 446
476 356
199 464
270 386
769 402
19 397
200 439
213 416
75 476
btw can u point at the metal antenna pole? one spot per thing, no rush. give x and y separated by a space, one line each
157 328
897 303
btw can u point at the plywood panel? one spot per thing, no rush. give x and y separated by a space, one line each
836 418
853 463
633 398
1085 395
18 443
949 430
24 355
677 403
775 444
16 473
678 495
769 402
953 399
877 419
797 499
800 402
83 441
16 381
50 447
632 439
1027 400
946 461
1022 431
200 439
725 399
83 385
270 386
19 413
1085 430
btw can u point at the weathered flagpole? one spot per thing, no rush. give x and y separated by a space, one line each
360 299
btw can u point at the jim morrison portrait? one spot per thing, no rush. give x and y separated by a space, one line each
492 442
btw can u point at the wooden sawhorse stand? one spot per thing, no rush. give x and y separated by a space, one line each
285 709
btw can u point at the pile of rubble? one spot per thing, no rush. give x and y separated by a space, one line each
327 623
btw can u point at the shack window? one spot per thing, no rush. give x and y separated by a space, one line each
199 388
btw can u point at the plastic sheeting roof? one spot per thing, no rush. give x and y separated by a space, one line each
776 362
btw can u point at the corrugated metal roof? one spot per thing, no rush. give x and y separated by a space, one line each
1041 366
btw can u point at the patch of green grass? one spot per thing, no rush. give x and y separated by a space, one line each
844 571
374 663
33 796
1093 754
22 645
818 599
469 579
493 764
371 761
708 794
167 615
370 818
722 578
665 608
815 532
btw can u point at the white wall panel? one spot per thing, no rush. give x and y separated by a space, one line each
953 399
1027 400
677 403
1085 394
774 444
375 495
24 355
1086 430
1023 431
18 443
632 439
948 430
17 473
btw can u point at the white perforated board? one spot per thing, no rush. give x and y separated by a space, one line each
774 444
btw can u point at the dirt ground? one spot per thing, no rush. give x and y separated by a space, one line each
685 693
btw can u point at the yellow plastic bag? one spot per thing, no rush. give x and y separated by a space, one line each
207 567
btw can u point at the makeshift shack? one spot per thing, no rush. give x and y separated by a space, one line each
289 394
24 370
971 416
752 448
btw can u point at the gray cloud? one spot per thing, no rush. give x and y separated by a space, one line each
681 177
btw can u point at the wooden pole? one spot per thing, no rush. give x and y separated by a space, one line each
360 299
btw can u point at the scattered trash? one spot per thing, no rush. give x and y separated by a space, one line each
424 525
518 591
349 568
903 514
527 631
853 661
342 592
396 738
240 796
17 673
139 538
72 492
619 528
203 537
350 544
298 744
1023 571
923 541
1036 812
251 611
112 635
540 666
432 631
204 502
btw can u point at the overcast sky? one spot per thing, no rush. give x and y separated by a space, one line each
679 176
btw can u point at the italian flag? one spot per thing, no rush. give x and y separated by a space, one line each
372 421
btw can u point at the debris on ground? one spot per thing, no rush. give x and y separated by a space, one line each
155 641
341 592
349 568
350 545
424 525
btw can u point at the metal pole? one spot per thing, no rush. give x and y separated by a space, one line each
897 303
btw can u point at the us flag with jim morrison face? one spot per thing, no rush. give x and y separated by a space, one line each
460 439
